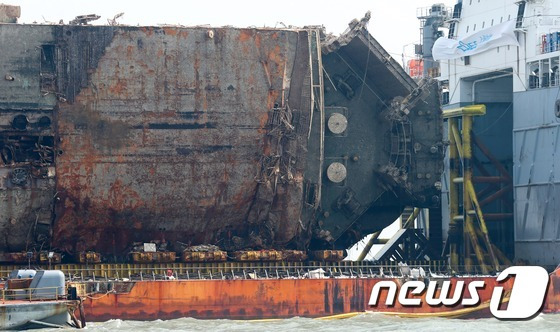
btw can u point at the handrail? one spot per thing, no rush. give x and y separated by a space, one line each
154 273
33 294
101 269
182 271
270 270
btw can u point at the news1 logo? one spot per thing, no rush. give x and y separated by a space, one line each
525 300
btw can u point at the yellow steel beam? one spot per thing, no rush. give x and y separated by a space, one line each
454 164
456 138
471 110
410 221
469 242
460 158
369 245
474 201
504 261
501 257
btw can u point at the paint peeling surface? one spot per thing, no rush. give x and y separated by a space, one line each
270 298
166 139
242 138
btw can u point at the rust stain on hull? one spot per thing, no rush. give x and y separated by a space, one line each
259 299
552 300
183 166
205 136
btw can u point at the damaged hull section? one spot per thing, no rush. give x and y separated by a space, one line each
243 138
166 139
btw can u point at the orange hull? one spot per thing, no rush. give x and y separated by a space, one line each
276 298
552 300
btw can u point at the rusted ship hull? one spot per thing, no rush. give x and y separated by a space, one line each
111 135
261 299
280 298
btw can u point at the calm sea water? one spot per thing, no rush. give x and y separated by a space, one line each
364 322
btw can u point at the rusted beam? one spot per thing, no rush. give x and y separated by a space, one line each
491 157
489 179
497 216
484 172
496 195
491 187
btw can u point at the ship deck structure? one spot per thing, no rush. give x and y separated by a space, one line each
520 89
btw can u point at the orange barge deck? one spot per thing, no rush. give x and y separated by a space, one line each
277 298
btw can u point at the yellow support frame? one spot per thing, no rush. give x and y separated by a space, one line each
460 161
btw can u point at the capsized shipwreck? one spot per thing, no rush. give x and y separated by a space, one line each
242 138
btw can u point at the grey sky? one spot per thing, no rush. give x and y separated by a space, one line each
393 23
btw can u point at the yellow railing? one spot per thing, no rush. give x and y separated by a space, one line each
33 294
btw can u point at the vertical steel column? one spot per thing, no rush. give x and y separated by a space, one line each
470 232
467 176
454 164
460 159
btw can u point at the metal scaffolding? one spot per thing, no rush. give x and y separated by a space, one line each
467 226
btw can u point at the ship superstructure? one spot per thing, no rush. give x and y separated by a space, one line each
520 88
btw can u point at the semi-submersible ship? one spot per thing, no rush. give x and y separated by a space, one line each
221 172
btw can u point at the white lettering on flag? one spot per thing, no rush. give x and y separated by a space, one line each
496 36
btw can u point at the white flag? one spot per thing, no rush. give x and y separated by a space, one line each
498 35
